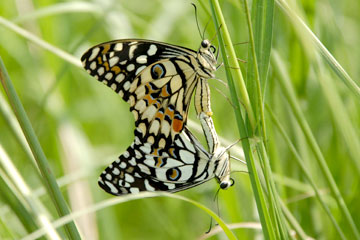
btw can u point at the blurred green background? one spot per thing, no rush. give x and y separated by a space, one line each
83 126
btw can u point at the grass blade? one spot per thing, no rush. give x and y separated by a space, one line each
50 181
289 93
243 131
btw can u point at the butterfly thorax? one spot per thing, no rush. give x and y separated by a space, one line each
206 59
222 169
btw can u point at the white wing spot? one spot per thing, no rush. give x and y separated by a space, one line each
116 171
131 51
120 77
152 50
123 62
94 53
130 67
126 154
148 186
122 165
108 176
129 178
113 189
132 161
118 47
93 65
139 69
113 61
126 85
141 59
104 82
113 86
134 190
101 71
109 76
170 185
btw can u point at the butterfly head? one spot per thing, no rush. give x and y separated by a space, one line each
207 58
222 172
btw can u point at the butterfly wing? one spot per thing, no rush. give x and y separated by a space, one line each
143 167
156 79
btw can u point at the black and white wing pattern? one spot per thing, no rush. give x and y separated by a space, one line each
157 80
183 165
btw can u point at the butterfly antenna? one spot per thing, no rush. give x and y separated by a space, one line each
217 207
197 22
238 159
222 82
217 203
216 33
207 24
227 99
210 227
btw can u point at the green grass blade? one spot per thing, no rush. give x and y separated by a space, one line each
234 65
59 8
329 58
17 206
244 133
25 194
50 181
289 93
339 113
26 34
13 125
306 173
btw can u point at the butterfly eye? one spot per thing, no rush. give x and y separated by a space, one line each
205 44
213 49
157 71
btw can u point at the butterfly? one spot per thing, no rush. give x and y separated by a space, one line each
182 165
157 80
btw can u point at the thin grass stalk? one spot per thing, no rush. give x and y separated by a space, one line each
18 183
234 65
260 199
289 93
113 201
329 58
338 111
15 129
306 172
49 179
16 205
255 67
293 222
283 230
274 206
38 41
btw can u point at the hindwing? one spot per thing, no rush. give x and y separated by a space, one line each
143 167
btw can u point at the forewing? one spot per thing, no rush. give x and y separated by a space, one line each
156 79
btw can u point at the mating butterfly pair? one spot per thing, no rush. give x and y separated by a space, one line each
157 80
